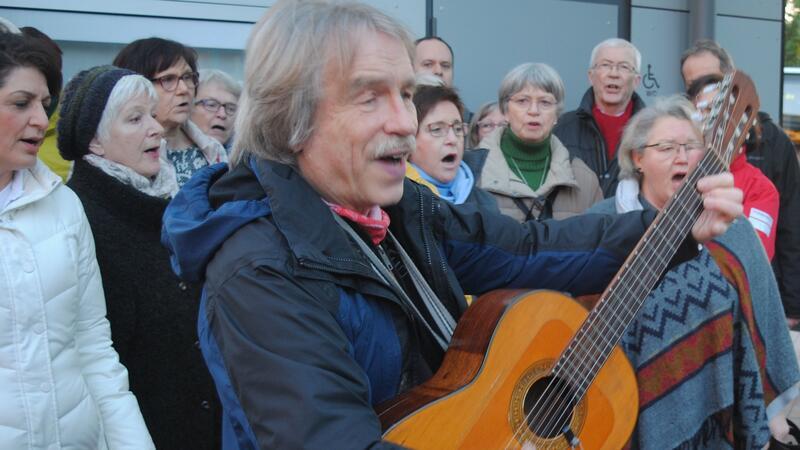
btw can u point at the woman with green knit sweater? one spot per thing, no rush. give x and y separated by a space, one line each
529 171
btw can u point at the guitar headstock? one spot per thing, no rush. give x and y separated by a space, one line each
733 113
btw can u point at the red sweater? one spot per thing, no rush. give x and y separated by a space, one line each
611 127
760 202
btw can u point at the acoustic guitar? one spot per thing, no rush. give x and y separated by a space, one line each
534 369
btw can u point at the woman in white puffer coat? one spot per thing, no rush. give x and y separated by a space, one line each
61 383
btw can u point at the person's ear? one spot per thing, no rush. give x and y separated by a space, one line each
636 159
96 147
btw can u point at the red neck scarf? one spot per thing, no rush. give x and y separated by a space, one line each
611 127
375 222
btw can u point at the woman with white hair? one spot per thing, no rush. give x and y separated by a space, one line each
714 324
107 127
529 171
215 105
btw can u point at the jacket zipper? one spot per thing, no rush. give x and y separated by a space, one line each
437 286
600 143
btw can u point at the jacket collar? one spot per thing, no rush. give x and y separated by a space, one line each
306 222
124 201
497 177
587 103
476 159
38 183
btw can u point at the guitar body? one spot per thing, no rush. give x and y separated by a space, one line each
535 369
503 348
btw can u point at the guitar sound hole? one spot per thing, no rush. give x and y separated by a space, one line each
548 406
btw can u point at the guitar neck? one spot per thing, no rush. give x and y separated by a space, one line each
624 297
732 115
725 128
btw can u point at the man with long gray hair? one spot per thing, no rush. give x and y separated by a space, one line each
314 308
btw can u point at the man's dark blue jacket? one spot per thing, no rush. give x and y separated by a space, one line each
302 338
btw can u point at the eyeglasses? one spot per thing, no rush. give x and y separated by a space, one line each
439 129
524 103
212 106
489 126
607 67
170 82
669 149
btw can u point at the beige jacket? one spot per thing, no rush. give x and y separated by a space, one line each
576 185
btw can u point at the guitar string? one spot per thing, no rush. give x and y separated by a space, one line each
562 398
608 344
629 289
642 284
556 370
549 412
605 303
648 285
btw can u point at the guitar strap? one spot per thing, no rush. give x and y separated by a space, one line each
442 319
543 204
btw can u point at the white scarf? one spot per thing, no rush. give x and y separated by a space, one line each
163 185
626 198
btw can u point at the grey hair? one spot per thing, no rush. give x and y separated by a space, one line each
618 43
472 139
537 75
288 52
126 89
636 133
428 79
214 76
6 26
708 46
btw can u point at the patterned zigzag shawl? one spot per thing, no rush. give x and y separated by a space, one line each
711 351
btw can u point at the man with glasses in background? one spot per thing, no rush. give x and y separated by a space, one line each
593 131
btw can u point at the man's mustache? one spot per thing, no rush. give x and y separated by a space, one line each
396 146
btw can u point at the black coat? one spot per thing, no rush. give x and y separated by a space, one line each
302 335
579 132
775 156
153 314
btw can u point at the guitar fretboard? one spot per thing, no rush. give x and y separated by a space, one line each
731 116
623 298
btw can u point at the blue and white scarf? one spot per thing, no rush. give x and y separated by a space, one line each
456 191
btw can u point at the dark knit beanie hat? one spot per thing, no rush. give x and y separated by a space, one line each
82 104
